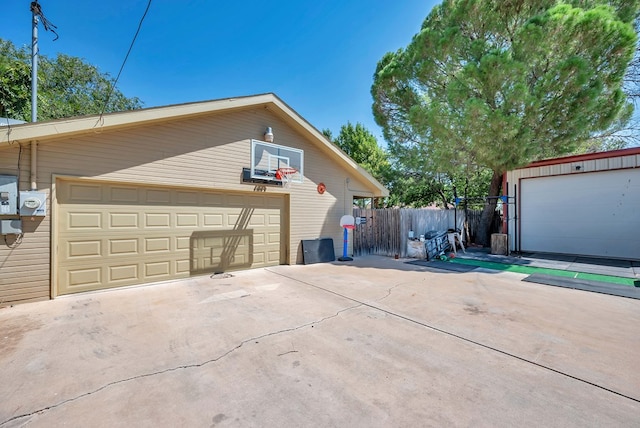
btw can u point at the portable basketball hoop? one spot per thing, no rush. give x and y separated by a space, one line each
347 222
285 175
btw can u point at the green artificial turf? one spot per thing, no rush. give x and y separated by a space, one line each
558 272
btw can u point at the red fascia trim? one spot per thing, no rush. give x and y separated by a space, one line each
586 157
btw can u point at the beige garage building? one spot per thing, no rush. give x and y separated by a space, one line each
164 193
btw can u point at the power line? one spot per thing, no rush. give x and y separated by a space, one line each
48 25
111 88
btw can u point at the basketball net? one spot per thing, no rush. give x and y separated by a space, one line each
285 175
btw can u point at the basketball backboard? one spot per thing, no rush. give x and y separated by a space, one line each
267 158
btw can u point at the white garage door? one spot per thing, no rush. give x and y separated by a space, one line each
593 214
111 235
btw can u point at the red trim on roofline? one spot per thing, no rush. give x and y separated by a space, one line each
585 157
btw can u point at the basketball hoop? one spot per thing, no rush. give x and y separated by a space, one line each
347 222
285 175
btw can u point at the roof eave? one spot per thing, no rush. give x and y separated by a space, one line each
61 128
376 188
631 151
42 131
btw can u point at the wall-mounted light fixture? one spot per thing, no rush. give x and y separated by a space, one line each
268 135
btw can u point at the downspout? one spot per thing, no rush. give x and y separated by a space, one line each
34 166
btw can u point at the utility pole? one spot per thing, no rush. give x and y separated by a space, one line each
36 16
35 8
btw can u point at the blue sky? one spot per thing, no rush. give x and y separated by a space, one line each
319 57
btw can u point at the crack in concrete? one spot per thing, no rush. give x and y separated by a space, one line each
459 337
173 369
390 290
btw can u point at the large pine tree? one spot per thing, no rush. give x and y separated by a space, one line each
500 83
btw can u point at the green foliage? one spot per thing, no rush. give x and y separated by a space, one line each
413 190
500 87
362 146
420 187
497 84
67 86
15 82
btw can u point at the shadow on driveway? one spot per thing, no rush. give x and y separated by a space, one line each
372 343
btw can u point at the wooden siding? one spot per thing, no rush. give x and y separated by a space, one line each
24 265
206 152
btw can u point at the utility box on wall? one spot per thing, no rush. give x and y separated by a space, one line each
33 204
11 227
8 195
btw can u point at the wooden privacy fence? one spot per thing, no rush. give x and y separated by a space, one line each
386 230
473 224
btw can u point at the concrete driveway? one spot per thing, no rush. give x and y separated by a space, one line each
370 343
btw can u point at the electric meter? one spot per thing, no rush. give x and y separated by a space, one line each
33 204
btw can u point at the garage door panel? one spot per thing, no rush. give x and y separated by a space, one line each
213 199
259 239
213 220
157 220
256 202
127 272
155 269
274 219
84 277
187 220
156 196
85 220
152 245
222 252
123 194
119 220
110 235
187 198
83 193
123 246
258 219
274 237
183 267
84 249
85 246
237 201
591 214
183 242
274 256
